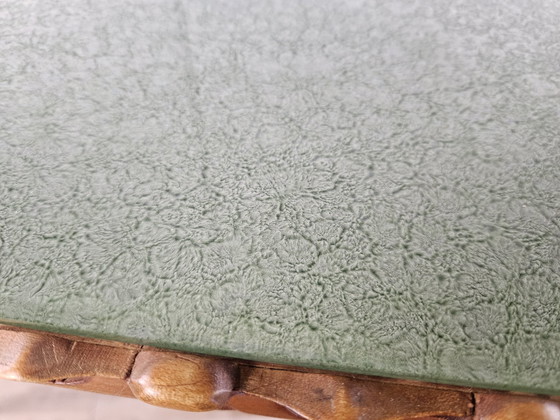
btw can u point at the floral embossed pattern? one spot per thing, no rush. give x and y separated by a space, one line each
371 187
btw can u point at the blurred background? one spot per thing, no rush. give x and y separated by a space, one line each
25 401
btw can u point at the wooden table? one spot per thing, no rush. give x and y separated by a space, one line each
315 209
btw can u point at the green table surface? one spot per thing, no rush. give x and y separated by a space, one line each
369 187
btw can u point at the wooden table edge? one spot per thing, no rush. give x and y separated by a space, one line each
196 382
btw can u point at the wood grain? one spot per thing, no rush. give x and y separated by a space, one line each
202 383
182 381
515 407
92 365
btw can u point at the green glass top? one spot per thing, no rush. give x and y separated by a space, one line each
369 187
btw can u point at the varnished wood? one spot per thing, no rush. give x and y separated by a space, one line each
321 396
201 383
91 365
182 381
515 407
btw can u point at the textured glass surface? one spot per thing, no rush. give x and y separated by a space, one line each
371 187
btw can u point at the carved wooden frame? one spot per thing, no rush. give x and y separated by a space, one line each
199 383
